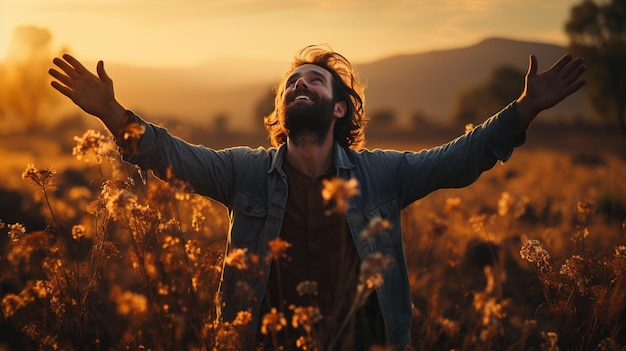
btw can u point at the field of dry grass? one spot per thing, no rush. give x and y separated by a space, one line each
530 257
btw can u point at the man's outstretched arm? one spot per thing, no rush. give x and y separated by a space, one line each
94 94
546 89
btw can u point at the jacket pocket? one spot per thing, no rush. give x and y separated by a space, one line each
383 234
248 220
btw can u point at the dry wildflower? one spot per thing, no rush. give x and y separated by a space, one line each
97 206
163 289
490 309
42 178
120 203
181 190
277 249
147 219
585 210
45 339
453 205
532 251
579 235
574 270
11 303
16 232
273 322
243 318
340 191
193 249
112 187
449 327
375 226
469 127
307 287
169 241
129 302
90 143
512 205
2 224
529 326
109 249
306 342
305 317
39 289
550 341
131 134
479 222
78 231
237 257
371 276
200 207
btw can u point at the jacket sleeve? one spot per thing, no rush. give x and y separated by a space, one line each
209 172
461 161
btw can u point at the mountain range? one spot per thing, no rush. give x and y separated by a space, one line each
427 83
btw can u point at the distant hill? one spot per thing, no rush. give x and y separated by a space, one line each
423 82
429 82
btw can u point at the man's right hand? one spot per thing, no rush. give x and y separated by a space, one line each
94 94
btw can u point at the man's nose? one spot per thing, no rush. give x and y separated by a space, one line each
300 83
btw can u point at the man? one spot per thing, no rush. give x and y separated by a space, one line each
317 132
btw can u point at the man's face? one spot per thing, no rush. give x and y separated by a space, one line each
309 105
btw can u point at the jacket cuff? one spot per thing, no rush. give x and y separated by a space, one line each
511 132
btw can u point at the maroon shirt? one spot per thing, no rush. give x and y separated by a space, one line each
321 250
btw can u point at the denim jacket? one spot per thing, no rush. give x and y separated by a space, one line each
252 185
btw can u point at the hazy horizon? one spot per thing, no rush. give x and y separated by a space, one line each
187 33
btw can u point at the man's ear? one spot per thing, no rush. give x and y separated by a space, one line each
340 109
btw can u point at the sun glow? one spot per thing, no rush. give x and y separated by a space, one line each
189 32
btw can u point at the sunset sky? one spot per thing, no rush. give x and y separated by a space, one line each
188 32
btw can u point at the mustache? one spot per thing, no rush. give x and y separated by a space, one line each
301 91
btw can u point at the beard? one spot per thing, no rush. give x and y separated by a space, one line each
309 122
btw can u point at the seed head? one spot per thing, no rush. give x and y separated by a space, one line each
78 231
237 258
277 249
41 178
375 226
532 251
340 191
273 322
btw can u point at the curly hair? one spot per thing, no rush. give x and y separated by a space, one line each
349 131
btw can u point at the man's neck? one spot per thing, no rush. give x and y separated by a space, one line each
309 157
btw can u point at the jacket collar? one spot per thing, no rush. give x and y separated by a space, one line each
341 159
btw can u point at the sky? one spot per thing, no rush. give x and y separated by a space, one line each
189 32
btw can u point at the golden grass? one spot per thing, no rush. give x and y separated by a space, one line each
530 257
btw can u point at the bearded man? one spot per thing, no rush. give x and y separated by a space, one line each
317 133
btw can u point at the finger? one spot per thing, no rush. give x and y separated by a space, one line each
532 65
102 73
61 77
573 76
562 62
76 64
571 68
62 89
69 70
574 87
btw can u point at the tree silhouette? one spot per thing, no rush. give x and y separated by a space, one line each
502 86
597 32
25 83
